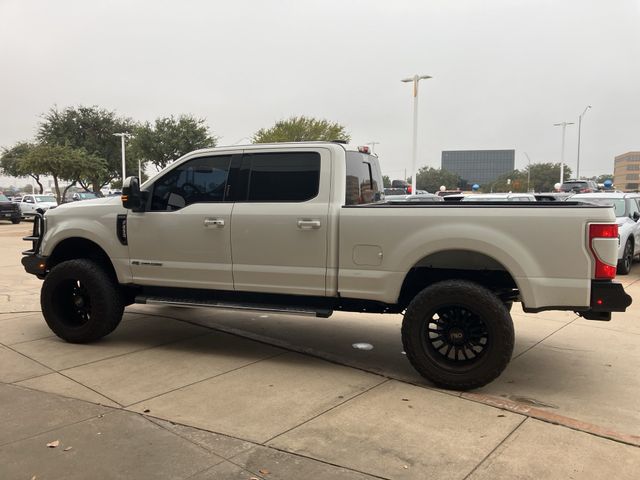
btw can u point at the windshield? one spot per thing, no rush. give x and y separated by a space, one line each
571 186
45 198
618 204
3 198
87 195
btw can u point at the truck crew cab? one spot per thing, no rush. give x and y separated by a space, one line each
304 228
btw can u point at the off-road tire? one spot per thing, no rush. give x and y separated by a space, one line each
478 310
16 221
96 314
624 264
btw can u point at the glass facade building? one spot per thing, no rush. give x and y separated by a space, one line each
479 166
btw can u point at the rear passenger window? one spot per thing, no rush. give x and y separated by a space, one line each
364 181
283 177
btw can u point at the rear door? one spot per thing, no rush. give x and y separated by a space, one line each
279 228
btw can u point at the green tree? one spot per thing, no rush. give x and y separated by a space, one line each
604 177
12 162
430 179
301 129
169 138
386 181
63 163
91 129
543 178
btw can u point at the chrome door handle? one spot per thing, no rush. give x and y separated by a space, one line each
308 224
216 222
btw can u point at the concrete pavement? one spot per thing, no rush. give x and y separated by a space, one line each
183 393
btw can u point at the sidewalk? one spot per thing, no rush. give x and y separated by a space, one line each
177 393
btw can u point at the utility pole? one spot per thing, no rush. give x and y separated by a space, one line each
564 128
579 129
414 156
528 171
122 136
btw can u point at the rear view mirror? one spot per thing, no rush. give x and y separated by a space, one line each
636 216
131 197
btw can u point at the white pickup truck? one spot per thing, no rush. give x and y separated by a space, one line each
303 228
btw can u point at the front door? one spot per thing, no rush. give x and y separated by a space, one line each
279 228
183 237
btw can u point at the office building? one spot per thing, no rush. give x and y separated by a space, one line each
626 172
479 166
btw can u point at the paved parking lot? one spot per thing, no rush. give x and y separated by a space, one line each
184 393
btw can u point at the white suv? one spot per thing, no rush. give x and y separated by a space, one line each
627 209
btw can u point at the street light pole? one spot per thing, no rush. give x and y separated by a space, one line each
122 136
528 171
579 129
564 128
414 156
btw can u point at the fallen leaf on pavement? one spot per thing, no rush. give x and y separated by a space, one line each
264 471
67 449
146 410
53 444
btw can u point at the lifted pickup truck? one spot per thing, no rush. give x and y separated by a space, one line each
303 228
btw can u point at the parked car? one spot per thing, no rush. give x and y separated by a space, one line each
9 210
418 198
499 197
16 199
579 186
32 204
627 210
78 196
553 196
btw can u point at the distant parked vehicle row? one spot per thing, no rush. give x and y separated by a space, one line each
499 197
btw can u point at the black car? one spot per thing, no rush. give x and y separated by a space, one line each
9 210
579 186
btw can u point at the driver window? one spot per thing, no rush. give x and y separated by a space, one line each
201 180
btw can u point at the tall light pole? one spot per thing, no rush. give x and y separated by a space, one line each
580 128
373 146
528 171
122 136
564 128
414 156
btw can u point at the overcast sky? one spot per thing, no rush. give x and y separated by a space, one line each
504 70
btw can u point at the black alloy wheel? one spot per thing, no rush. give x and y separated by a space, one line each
455 336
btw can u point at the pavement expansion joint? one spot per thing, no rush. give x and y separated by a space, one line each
551 417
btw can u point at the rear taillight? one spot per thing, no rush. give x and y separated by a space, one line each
602 230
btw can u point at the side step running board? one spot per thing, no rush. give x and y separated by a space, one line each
186 302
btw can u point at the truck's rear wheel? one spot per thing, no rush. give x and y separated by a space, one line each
80 301
458 334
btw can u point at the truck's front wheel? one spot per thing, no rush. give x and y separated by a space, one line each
80 301
458 334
